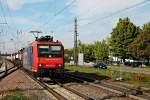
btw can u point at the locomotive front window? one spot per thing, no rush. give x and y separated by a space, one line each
49 51
55 48
44 47
43 50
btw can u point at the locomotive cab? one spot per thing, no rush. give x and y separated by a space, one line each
45 57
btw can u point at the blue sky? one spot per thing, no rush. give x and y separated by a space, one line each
27 15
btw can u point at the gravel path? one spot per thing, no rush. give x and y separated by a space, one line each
21 82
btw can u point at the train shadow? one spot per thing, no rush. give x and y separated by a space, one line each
67 79
92 76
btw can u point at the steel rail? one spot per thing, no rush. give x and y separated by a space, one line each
105 86
7 71
73 91
42 84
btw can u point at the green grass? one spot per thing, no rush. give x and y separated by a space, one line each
141 79
15 96
147 67
121 65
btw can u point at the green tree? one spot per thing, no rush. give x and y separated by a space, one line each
140 47
100 50
68 54
87 50
122 35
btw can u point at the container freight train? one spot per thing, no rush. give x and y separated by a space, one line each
44 57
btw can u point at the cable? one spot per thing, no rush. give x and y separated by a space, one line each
59 12
4 16
10 15
40 16
5 19
117 12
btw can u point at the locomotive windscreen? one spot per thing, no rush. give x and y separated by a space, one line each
50 51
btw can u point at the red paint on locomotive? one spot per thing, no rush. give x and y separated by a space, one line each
44 56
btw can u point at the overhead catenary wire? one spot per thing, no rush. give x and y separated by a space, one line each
114 13
10 14
59 12
110 15
11 18
13 26
48 8
3 12
117 12
5 18
55 15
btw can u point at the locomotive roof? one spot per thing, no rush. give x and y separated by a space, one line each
37 42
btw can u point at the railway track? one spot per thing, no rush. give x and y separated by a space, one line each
131 92
73 90
6 68
84 88
58 90
45 86
109 87
62 91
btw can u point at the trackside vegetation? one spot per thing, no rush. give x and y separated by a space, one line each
15 96
137 80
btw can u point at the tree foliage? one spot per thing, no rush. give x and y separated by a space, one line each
100 50
122 35
87 50
97 51
68 54
140 47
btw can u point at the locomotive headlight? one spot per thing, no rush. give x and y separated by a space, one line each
40 65
59 65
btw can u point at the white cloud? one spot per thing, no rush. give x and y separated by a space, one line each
16 4
93 8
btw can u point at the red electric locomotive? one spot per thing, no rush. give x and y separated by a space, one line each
44 57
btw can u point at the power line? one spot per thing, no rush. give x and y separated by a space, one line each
59 12
2 9
3 16
10 16
117 12
56 14
50 7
